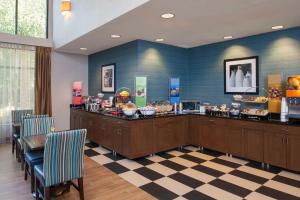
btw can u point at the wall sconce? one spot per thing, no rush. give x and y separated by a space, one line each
65 7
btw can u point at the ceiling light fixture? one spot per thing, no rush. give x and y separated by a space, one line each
227 37
277 27
167 15
115 36
83 48
65 7
159 40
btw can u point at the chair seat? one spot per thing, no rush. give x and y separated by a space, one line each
38 172
34 157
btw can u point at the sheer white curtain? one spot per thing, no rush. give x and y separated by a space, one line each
17 65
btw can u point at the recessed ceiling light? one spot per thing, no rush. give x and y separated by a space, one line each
227 37
83 48
167 15
277 27
115 36
159 40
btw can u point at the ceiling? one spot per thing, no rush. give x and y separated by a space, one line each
196 22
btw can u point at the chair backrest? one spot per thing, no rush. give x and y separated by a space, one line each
16 115
63 156
36 124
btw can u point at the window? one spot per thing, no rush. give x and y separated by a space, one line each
24 17
17 71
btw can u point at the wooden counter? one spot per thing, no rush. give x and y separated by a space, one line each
274 144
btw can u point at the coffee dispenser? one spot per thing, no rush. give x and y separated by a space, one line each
293 97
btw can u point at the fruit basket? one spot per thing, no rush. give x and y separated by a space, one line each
122 96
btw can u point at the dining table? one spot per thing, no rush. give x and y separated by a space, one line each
35 142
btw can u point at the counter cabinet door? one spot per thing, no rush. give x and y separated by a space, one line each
236 141
121 140
194 133
293 150
254 144
275 147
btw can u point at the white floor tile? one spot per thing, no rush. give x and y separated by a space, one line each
175 153
174 186
183 162
290 175
161 169
205 178
216 166
257 172
134 178
101 159
217 193
180 198
101 150
192 148
283 187
240 182
201 155
258 196
234 160
130 164
156 158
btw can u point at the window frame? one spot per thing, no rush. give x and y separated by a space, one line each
17 22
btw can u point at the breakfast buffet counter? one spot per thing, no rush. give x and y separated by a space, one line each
266 141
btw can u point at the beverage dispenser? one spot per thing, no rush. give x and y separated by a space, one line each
293 97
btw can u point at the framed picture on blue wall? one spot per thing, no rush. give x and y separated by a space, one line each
241 76
108 78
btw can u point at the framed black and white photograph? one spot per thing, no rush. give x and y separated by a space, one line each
108 78
241 76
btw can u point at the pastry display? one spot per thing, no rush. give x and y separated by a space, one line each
255 112
129 109
259 99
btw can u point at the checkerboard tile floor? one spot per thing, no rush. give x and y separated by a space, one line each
192 174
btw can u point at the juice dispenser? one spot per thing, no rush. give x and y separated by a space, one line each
293 97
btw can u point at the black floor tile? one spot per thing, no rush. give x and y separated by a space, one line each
116 167
207 170
250 177
158 191
195 195
115 158
148 173
192 158
211 152
185 150
229 187
91 153
275 193
165 155
172 165
143 161
186 180
91 145
226 163
287 181
257 165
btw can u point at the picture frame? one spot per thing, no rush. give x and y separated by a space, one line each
241 75
108 78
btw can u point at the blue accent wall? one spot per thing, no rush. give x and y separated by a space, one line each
158 62
279 52
200 69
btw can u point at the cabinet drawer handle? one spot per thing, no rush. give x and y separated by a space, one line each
211 120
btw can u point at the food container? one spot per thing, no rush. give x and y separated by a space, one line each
147 110
129 109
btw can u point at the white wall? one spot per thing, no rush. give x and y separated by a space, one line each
87 15
66 68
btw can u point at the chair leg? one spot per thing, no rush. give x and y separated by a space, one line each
36 186
22 160
25 171
32 178
46 193
17 152
80 186
13 145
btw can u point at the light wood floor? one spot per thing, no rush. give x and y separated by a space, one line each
99 182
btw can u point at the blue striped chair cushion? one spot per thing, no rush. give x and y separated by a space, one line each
17 115
63 156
